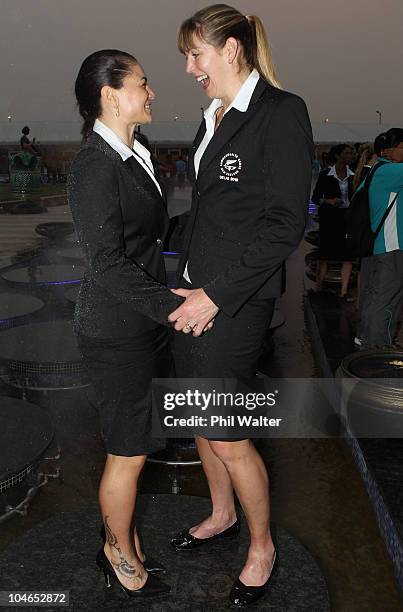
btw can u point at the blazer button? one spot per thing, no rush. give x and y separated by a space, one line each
159 241
198 193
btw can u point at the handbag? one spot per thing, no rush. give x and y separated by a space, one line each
360 238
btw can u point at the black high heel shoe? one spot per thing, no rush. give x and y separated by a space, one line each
152 587
152 566
242 595
186 541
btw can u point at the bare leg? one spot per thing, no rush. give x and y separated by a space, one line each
117 498
321 270
345 276
221 491
249 478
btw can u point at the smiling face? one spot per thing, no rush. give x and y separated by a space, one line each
346 156
210 67
134 98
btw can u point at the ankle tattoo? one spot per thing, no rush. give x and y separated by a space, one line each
124 567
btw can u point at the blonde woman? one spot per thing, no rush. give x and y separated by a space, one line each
251 171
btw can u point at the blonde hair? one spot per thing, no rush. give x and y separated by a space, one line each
215 24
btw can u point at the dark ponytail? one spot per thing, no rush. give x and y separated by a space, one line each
388 140
106 67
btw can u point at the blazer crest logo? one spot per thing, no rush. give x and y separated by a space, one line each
230 166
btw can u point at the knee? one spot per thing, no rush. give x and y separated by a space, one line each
229 452
119 463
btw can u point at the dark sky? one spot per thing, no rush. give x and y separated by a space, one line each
344 57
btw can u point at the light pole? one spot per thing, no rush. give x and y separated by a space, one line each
380 116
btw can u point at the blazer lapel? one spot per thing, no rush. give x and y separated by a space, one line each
159 180
230 124
198 138
144 179
130 165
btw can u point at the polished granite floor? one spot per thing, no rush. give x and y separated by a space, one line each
380 460
317 493
199 582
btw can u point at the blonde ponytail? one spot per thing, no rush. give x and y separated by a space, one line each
263 59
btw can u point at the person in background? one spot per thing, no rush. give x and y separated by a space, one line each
27 144
366 159
355 156
325 160
316 167
332 194
180 165
370 155
382 272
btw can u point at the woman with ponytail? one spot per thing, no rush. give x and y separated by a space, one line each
381 296
251 170
118 206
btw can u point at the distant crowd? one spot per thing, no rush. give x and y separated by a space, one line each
346 171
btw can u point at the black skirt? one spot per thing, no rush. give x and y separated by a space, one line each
231 349
332 232
121 371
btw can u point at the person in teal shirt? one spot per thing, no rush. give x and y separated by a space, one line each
387 183
382 273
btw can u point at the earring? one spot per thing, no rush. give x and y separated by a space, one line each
117 111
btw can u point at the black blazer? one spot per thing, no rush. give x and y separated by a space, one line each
328 187
121 222
250 199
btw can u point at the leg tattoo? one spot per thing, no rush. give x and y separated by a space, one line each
123 567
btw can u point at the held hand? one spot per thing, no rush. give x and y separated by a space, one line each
195 314
209 326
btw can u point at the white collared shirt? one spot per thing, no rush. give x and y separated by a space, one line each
241 103
343 184
139 151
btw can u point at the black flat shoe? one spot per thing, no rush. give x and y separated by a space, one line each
186 541
152 587
150 565
242 595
